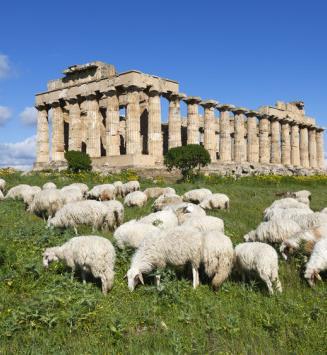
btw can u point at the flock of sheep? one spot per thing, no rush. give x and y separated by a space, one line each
177 233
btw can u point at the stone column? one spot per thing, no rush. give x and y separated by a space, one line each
154 125
320 148
224 130
264 144
42 136
275 140
253 140
239 134
286 142
58 139
174 120
209 127
295 144
75 129
133 133
304 148
193 119
312 147
112 123
93 143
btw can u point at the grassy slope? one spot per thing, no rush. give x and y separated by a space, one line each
47 312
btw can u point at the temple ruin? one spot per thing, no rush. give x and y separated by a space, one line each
116 118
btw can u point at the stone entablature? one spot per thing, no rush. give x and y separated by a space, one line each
86 109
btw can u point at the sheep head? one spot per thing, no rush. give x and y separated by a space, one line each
49 256
250 237
134 276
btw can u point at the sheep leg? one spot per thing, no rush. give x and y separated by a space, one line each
83 277
268 282
157 280
104 285
72 274
75 230
195 274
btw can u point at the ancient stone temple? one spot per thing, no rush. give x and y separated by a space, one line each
117 119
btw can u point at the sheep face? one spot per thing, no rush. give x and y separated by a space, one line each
311 277
134 277
48 257
250 237
286 249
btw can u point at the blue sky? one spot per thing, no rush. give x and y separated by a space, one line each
248 53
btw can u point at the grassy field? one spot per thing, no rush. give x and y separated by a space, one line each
46 312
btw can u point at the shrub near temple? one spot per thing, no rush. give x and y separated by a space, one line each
78 161
186 159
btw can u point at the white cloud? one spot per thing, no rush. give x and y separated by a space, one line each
4 66
28 116
19 155
5 114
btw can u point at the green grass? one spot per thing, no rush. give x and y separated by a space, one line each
47 312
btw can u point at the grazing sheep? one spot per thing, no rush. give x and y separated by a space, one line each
92 213
273 231
185 210
217 257
130 186
118 188
46 203
317 262
136 198
287 203
79 185
166 199
19 192
278 213
2 184
205 224
90 254
260 258
1 196
311 220
161 219
309 237
175 246
196 196
132 233
49 185
324 210
102 192
117 209
28 195
155 192
72 194
215 201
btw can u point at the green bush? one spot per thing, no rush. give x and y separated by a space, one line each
78 161
186 159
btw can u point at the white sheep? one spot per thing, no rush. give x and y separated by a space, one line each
217 257
317 262
185 210
197 195
132 233
49 185
2 185
79 185
161 219
260 258
136 198
308 236
215 201
155 192
102 192
166 199
273 231
117 209
277 213
324 210
28 195
176 246
205 223
311 220
92 213
23 192
89 254
46 203
130 186
72 194
285 203
118 188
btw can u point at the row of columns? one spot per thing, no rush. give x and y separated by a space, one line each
275 141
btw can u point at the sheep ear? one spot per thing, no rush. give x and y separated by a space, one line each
317 276
140 276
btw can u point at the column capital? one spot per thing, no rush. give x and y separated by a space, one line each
239 110
209 103
153 91
252 113
192 99
41 107
72 100
133 87
225 107
111 90
54 103
274 118
320 129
